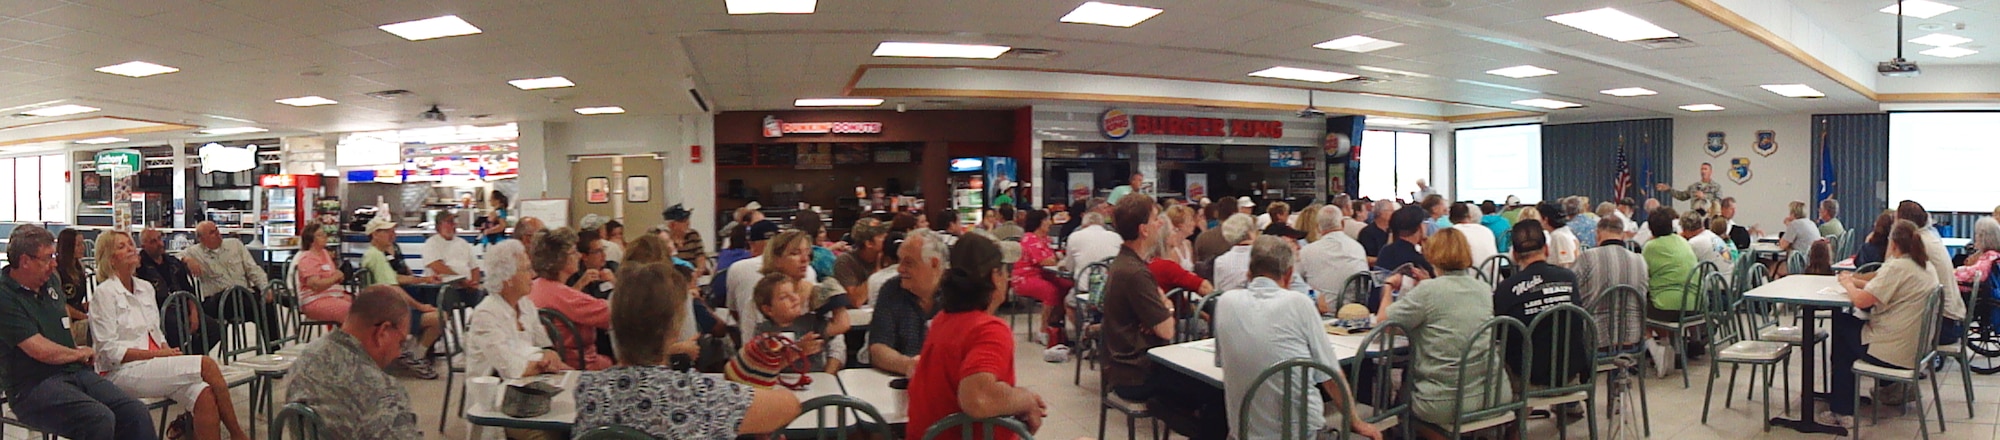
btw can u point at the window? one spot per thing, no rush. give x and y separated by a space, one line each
1495 162
36 192
1392 162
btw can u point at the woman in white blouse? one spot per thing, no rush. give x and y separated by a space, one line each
132 352
504 335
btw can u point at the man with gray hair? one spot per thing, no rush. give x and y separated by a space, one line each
222 266
906 304
1265 323
1093 243
341 375
526 229
1325 264
1376 235
1232 269
49 379
1829 218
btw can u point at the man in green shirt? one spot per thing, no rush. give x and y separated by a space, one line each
49 380
378 265
1829 221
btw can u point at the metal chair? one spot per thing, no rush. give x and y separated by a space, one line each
1186 327
1734 343
1297 393
1108 401
555 323
1623 307
1083 307
305 423
1356 289
7 419
300 324
1957 351
615 432
237 339
842 406
1380 352
1484 358
1574 334
1691 319
965 425
1492 267
180 304
452 314
1928 332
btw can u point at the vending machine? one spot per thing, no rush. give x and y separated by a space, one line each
287 199
976 181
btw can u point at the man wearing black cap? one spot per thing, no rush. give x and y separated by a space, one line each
685 238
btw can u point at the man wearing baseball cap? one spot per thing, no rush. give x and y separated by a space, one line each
383 264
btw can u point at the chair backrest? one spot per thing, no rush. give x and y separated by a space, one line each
1186 328
1929 331
1091 280
1869 268
179 304
615 432
1355 289
1299 384
965 425
1729 321
1490 268
1622 310
1570 356
305 423
1795 262
1484 358
453 313
1380 352
842 407
236 338
557 325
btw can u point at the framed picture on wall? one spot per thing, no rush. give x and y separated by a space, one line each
638 189
597 190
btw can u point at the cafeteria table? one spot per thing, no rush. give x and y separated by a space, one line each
561 415
1812 293
1197 358
872 386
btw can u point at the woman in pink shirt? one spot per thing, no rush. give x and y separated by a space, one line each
554 258
1028 277
321 297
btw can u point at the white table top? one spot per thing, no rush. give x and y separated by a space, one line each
1198 358
562 410
1764 247
1811 290
861 317
1957 242
823 384
872 386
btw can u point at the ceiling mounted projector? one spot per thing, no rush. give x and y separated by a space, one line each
432 115
1898 67
1310 111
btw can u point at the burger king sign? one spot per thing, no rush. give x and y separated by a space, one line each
1115 124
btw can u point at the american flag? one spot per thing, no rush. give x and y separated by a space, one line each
1623 183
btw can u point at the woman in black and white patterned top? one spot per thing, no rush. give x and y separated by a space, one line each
643 393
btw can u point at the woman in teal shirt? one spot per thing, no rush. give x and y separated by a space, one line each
1442 314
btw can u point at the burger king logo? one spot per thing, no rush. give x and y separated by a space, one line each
1115 124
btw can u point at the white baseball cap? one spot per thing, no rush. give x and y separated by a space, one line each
1245 202
380 222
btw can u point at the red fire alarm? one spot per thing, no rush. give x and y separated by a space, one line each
694 154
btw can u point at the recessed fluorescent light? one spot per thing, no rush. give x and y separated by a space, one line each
1406 122
1919 8
1547 103
1629 92
435 27
608 110
837 102
307 101
102 140
1108 14
938 50
1701 107
1794 90
746 7
61 110
137 69
1392 71
542 83
1297 74
233 130
1357 44
1613 24
1522 71
1948 52
1940 40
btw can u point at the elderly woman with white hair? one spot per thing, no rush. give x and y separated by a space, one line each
504 335
1232 269
1985 252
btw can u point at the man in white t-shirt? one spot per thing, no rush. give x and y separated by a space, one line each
1325 265
1263 324
1091 243
1232 269
446 256
1480 240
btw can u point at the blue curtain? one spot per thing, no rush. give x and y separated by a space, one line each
1859 144
1582 159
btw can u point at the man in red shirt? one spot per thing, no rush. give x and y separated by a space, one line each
967 364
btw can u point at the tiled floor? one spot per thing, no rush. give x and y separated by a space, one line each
1676 411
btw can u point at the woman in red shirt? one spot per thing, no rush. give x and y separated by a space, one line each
967 364
1030 279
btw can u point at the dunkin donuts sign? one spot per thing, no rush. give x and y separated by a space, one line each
774 127
1116 124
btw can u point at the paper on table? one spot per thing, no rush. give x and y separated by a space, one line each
1205 345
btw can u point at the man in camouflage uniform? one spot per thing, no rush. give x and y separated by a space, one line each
1701 195
341 377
